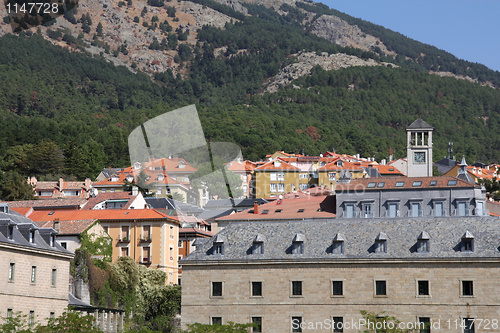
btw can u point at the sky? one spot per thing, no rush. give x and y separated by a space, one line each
468 29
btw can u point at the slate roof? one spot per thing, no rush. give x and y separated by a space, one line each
445 165
21 233
402 234
419 124
390 183
171 204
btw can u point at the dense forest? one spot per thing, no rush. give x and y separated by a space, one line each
68 113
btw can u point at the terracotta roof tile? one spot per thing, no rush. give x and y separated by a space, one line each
271 166
69 227
102 215
303 207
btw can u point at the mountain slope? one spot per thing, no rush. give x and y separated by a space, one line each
68 95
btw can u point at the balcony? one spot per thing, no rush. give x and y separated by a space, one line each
145 239
437 213
124 240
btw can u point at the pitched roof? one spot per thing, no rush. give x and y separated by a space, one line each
342 165
69 227
194 231
101 215
389 183
271 165
419 124
101 197
303 207
360 234
49 203
241 166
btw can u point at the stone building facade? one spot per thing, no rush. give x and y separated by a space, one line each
34 269
442 271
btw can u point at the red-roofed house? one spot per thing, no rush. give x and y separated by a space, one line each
244 169
148 236
61 188
330 173
292 206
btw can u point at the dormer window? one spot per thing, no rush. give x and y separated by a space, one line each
32 236
338 244
10 231
182 165
381 243
298 244
423 243
161 177
277 163
52 240
114 178
218 245
130 178
258 244
467 244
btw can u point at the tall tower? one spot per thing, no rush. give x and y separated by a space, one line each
419 149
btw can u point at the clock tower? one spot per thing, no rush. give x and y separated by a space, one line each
419 149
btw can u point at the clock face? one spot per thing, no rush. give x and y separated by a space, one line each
419 157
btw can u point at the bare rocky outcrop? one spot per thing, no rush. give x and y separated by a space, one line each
305 61
340 32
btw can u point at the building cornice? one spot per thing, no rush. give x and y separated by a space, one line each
38 251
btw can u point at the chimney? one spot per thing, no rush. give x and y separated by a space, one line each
383 162
88 184
61 184
255 207
390 155
57 225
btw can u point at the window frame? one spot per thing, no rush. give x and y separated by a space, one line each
33 275
296 284
426 285
212 320
292 322
212 289
252 289
253 320
463 287
376 288
332 285
12 272
335 326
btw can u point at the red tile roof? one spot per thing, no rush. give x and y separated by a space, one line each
23 210
387 170
271 166
345 166
101 197
49 203
241 166
390 183
287 208
69 227
102 215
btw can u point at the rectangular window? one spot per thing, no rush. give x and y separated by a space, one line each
467 288
124 235
349 211
273 188
256 288
416 209
438 209
337 288
33 274
9 314
52 315
400 184
124 251
425 324
423 246
258 248
296 324
274 176
31 318
338 247
172 232
331 176
338 324
380 288
216 320
12 269
54 277
64 245
296 288
146 232
393 210
462 209
367 211
423 288
257 321
281 187
146 254
216 289
468 325
281 176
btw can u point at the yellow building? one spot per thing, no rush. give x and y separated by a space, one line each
148 236
275 178
330 173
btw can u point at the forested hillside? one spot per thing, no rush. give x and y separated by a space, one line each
71 112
